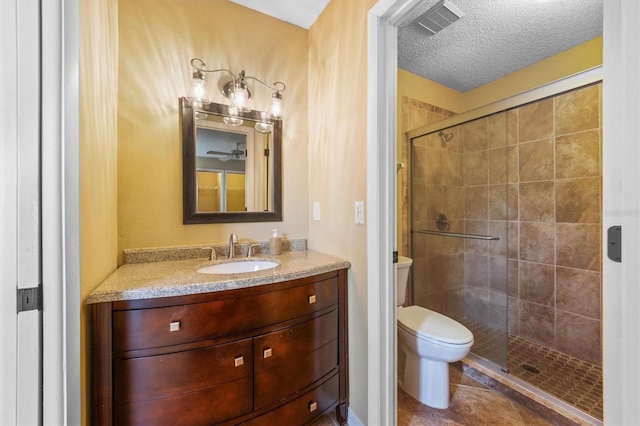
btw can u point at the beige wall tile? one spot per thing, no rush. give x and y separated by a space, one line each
578 246
498 228
536 161
578 291
537 323
451 168
513 279
475 136
476 270
475 168
512 127
480 227
537 242
477 303
513 240
498 274
513 193
497 130
535 121
578 155
497 202
537 201
434 167
476 202
577 110
513 168
578 200
419 164
579 336
497 165
537 283
513 324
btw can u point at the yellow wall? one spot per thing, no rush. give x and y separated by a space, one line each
564 64
158 38
338 162
580 58
98 151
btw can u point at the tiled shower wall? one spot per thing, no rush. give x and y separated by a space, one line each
555 247
531 176
414 114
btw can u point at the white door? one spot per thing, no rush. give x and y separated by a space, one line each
20 242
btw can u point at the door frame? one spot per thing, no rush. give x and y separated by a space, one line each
62 397
621 206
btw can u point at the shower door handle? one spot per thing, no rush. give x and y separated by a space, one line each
614 243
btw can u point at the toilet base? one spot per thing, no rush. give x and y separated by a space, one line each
426 380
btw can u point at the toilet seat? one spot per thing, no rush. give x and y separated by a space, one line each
429 325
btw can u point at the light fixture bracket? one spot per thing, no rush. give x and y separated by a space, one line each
228 86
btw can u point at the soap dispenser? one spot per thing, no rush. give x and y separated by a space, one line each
275 242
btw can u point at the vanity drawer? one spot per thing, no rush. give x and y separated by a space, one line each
283 346
204 407
273 384
172 325
138 379
304 409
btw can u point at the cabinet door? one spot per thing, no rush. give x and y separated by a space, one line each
304 409
139 379
204 407
288 360
196 387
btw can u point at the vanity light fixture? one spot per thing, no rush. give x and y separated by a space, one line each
237 91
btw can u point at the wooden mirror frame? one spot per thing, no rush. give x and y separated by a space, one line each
190 214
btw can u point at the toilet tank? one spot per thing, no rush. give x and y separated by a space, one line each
402 277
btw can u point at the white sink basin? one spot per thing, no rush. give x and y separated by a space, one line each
238 267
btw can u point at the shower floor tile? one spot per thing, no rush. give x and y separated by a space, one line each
575 381
570 379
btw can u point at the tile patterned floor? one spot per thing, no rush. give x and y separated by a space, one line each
471 404
572 380
577 382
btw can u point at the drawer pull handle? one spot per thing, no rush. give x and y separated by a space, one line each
267 353
312 299
313 406
238 361
174 326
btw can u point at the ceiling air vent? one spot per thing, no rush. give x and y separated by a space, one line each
439 17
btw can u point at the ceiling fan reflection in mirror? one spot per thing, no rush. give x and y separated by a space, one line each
235 154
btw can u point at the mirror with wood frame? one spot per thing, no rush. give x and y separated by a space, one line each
231 165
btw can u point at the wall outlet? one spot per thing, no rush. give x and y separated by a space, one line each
360 212
316 210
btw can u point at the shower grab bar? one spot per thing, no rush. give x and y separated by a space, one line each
456 235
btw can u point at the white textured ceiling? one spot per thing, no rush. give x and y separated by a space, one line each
495 38
302 13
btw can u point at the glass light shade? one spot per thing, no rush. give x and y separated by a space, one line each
198 90
240 98
264 127
232 119
275 108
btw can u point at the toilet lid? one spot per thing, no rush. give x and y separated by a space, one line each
432 325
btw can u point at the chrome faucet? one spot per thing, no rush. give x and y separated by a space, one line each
233 239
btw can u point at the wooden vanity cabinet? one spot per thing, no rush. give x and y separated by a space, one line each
269 354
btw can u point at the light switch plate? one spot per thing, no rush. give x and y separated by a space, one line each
359 212
316 210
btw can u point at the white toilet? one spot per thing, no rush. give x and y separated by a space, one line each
430 341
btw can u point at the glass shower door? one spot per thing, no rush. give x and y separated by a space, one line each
459 228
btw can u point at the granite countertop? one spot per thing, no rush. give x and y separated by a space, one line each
179 277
